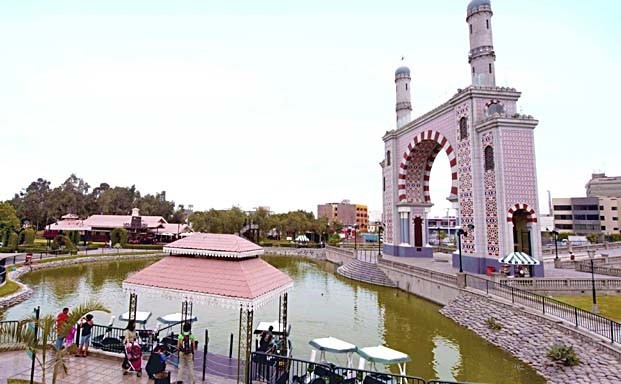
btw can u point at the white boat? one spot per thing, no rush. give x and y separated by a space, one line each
141 317
277 328
174 318
382 355
333 345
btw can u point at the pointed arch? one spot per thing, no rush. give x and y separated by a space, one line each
443 143
532 216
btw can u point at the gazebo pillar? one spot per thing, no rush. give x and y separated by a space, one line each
282 321
244 346
133 306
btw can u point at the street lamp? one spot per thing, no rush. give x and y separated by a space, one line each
355 238
380 230
591 254
460 232
555 235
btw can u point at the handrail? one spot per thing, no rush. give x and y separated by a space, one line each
276 369
444 277
561 284
10 333
597 324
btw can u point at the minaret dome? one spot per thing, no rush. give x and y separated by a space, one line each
403 100
481 56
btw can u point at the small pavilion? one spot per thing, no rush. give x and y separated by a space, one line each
217 269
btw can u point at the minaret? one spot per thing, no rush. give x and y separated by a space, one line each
404 106
481 56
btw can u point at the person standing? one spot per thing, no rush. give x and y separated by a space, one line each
129 336
186 345
86 326
61 319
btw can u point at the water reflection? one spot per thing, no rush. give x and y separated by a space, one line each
321 304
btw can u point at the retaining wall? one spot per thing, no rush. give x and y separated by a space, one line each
528 337
429 288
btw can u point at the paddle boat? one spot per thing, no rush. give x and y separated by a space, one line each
141 318
174 318
332 345
382 355
167 323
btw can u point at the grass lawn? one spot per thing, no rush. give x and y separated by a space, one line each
609 306
8 288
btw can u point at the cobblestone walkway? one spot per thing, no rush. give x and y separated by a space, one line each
95 369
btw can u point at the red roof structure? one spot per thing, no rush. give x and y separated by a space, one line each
214 269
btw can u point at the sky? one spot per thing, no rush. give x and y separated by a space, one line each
284 103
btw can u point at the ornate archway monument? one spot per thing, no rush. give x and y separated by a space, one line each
490 148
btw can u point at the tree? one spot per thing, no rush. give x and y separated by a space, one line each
29 236
119 236
8 224
118 200
30 203
441 236
593 238
156 206
42 344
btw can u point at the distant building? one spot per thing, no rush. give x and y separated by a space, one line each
585 215
142 229
601 185
345 213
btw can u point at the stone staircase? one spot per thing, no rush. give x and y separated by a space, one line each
365 272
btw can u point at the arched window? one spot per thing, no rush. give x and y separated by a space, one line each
463 128
489 158
388 158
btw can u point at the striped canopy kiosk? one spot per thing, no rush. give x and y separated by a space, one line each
518 258
217 269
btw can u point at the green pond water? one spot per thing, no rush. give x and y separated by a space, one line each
321 304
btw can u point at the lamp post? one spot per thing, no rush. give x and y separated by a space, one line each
380 230
591 254
555 236
460 232
355 239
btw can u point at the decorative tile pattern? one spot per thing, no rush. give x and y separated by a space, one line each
491 205
387 172
519 169
464 175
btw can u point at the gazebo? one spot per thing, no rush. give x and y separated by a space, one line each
216 269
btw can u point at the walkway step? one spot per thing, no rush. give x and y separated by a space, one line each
365 272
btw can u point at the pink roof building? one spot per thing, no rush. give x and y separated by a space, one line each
212 268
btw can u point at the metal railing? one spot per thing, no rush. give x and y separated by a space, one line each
110 339
433 275
275 369
599 269
10 332
562 284
597 324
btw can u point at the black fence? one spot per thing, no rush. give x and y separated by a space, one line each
110 339
274 369
592 322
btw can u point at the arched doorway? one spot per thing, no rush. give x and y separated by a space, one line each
521 231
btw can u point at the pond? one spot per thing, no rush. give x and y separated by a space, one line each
321 304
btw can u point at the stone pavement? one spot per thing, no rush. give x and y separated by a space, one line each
95 369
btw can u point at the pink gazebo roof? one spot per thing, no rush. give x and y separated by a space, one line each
223 282
215 245
212 268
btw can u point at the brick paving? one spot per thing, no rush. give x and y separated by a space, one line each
95 369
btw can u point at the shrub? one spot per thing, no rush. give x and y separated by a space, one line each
119 236
564 354
63 241
29 236
147 247
493 324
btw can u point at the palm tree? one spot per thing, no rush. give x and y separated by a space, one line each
41 345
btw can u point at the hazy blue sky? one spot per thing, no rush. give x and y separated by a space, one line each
284 103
